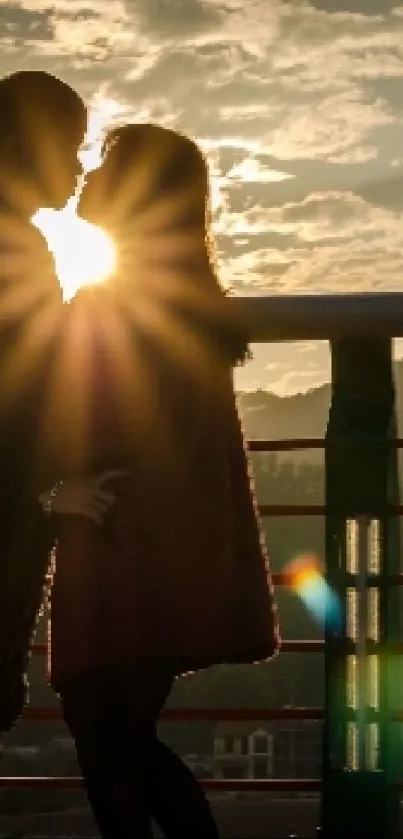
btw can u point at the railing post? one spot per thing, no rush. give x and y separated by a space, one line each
360 800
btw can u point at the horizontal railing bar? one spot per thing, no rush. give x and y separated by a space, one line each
288 712
303 443
321 317
283 510
287 646
225 784
203 714
291 646
372 580
281 579
297 646
73 782
307 646
286 445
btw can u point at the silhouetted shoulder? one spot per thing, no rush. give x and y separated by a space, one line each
30 314
27 270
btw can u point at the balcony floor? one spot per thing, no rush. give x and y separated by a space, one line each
237 815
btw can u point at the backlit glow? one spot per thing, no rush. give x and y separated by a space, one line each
84 254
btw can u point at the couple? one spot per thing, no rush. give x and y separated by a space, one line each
121 445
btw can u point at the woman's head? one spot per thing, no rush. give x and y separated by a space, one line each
144 166
152 193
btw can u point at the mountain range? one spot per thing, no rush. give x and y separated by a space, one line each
268 416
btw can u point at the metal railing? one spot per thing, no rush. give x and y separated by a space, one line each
42 714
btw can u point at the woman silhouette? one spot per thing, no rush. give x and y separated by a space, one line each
173 577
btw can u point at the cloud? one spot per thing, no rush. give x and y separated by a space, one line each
367 9
335 128
297 105
252 170
329 242
30 26
302 97
176 19
82 34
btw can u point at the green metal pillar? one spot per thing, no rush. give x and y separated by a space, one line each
362 549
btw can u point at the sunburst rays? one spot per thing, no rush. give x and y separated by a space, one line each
155 270
84 254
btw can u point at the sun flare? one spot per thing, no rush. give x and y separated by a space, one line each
84 254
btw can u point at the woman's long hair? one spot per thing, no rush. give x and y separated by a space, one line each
154 185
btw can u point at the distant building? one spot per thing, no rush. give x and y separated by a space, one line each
243 750
298 749
261 749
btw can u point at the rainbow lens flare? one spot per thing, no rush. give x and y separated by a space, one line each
306 579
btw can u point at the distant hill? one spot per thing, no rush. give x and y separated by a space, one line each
266 415
303 415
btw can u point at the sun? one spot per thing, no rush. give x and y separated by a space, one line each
84 254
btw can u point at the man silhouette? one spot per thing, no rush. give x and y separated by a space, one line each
43 123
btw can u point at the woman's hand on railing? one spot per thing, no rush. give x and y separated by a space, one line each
82 496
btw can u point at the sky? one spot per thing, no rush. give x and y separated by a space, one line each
299 108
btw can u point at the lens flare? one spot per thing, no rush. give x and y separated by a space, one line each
305 578
84 254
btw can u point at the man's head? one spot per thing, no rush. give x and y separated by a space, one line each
43 123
